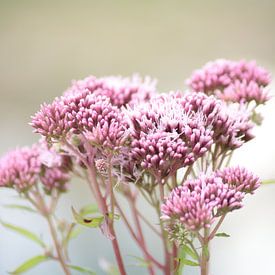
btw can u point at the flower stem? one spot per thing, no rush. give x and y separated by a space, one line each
58 248
45 211
103 207
204 261
132 201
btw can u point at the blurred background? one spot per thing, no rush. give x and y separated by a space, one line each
46 44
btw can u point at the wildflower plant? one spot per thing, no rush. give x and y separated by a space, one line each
172 150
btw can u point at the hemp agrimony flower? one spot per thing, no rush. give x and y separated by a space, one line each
128 142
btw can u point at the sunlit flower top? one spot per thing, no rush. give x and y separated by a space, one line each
235 81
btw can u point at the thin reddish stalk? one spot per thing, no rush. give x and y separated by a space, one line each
135 237
132 202
148 224
104 209
93 184
40 205
57 245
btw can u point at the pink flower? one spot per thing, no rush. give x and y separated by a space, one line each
51 120
24 167
243 91
20 168
239 178
232 127
121 91
55 178
165 137
198 202
236 81
230 123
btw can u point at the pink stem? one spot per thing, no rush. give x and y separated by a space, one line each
135 237
132 202
101 203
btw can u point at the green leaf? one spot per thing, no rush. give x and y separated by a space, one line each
29 264
88 209
141 261
20 207
75 233
189 251
24 232
222 234
72 234
81 269
89 222
270 181
182 255
188 262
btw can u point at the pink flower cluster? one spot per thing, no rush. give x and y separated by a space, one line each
240 178
99 122
165 137
198 202
20 168
173 130
235 81
231 124
120 90
24 167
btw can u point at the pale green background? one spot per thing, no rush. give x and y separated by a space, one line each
45 44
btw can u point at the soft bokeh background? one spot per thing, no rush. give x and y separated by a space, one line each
45 44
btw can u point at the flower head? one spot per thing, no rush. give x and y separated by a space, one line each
240 178
235 81
83 113
198 202
232 127
165 137
24 167
51 120
20 168
120 90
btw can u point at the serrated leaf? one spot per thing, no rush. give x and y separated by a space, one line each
222 234
188 262
89 222
81 269
29 264
189 251
24 232
20 207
